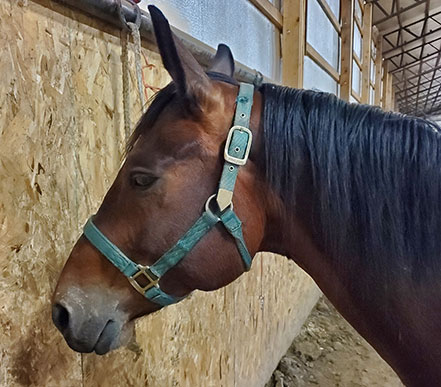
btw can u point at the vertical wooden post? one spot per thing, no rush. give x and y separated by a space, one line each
378 67
366 61
384 88
387 88
347 24
293 42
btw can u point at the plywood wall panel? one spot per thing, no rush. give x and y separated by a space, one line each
61 141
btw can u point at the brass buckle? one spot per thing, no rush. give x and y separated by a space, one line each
147 274
237 160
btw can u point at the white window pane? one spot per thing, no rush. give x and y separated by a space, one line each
321 34
352 99
357 41
357 11
373 50
356 77
372 71
250 35
371 95
335 7
314 77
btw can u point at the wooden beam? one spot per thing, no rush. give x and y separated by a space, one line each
347 17
356 96
366 53
322 62
358 22
327 10
270 11
378 66
387 88
356 59
293 42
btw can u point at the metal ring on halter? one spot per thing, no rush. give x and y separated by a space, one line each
122 17
208 209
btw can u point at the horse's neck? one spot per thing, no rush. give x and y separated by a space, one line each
398 326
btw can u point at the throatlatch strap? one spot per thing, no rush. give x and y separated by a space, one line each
234 226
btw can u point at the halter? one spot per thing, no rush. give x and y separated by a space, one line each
237 149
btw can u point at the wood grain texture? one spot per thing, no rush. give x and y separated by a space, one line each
378 71
61 143
293 42
366 50
347 24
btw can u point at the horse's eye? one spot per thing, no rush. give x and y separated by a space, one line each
142 180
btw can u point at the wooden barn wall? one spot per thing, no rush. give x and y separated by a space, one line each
61 139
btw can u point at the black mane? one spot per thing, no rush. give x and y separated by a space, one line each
376 176
376 179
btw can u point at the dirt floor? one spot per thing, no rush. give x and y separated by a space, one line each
329 352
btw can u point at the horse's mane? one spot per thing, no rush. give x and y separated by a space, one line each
376 176
376 179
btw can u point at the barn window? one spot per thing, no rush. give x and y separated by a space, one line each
322 60
253 39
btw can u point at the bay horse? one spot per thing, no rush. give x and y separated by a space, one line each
352 194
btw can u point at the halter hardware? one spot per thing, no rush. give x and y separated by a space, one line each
237 150
234 159
143 272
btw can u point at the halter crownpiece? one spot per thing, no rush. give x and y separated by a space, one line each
237 149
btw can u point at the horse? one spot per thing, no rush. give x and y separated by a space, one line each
352 194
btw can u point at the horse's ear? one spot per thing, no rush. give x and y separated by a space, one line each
223 62
185 71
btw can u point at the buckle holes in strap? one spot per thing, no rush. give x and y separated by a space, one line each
237 149
243 115
231 168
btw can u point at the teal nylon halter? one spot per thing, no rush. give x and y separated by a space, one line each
236 153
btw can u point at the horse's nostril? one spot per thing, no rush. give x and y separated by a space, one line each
60 317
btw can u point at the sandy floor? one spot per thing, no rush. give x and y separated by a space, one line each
329 352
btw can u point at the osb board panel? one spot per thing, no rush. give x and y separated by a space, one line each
61 138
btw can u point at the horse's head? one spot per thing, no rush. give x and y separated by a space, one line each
173 166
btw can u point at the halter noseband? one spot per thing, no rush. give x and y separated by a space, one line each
237 149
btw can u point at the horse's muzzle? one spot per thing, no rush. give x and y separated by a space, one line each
88 325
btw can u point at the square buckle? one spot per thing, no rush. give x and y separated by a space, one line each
236 160
143 273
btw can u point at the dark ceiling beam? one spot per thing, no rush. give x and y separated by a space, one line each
422 36
408 8
423 73
413 23
400 41
426 14
436 98
438 59
415 48
410 64
411 95
398 93
434 110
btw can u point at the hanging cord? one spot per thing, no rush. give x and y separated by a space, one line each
133 27
126 85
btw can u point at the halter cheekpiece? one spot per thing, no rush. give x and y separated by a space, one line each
237 149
